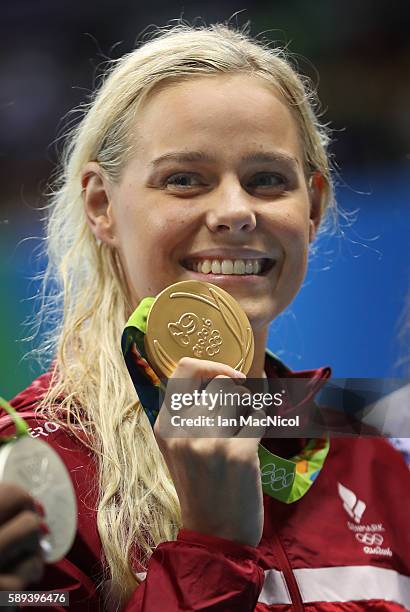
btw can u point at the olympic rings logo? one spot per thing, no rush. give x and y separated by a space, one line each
276 478
370 539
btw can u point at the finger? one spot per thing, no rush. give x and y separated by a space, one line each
189 367
30 570
200 419
11 582
19 536
254 428
191 374
13 499
224 403
188 378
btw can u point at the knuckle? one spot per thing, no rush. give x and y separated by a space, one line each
240 455
190 449
202 448
187 362
15 494
31 520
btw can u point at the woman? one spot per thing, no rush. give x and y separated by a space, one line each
200 156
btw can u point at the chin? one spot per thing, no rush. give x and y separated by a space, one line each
256 306
258 318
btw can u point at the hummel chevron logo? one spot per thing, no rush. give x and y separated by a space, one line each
353 506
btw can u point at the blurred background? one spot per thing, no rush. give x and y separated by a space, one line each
358 53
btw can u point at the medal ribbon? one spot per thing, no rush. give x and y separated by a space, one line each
19 423
287 480
146 382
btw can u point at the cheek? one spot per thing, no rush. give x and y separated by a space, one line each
159 224
142 232
148 243
294 236
294 233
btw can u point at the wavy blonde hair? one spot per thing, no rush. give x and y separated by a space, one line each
85 298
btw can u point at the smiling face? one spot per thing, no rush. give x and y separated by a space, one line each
215 191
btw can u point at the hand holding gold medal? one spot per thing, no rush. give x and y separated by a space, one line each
217 479
201 321
198 320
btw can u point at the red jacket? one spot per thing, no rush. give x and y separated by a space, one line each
345 545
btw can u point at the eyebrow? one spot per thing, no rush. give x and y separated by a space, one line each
201 156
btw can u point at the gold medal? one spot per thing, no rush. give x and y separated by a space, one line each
200 320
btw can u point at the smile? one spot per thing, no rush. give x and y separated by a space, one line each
232 267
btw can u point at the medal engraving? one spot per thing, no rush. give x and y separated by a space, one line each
201 320
181 330
207 342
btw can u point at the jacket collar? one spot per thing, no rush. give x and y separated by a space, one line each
314 380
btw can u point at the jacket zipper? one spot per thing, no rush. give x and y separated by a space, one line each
297 603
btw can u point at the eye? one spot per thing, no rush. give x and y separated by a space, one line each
183 180
268 180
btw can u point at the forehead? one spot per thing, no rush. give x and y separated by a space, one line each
225 113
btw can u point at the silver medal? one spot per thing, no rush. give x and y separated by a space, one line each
36 467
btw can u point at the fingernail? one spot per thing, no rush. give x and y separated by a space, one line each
239 374
44 529
39 508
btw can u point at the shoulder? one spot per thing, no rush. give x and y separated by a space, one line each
73 452
374 469
25 403
373 451
33 393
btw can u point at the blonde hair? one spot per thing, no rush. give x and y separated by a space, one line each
86 299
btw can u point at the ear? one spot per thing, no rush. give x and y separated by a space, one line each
97 203
317 188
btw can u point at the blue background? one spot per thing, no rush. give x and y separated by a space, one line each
348 310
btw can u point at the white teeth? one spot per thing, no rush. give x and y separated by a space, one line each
216 267
239 266
227 266
206 266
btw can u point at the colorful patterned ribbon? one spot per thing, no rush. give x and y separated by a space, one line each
289 479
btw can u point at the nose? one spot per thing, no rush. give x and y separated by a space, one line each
230 209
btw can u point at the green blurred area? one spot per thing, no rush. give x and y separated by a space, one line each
16 373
